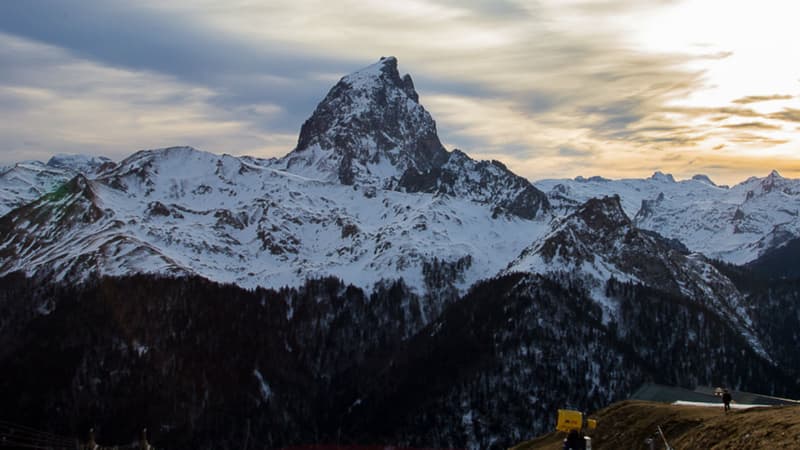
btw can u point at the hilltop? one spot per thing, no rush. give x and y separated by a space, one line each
627 424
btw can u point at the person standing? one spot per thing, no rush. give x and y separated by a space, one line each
574 441
726 400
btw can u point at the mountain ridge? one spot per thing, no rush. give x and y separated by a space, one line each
736 224
343 203
325 209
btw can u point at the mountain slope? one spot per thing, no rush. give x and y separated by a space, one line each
180 210
322 362
487 182
24 182
782 261
598 242
736 224
628 424
344 203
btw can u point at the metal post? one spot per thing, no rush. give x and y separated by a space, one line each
92 444
143 444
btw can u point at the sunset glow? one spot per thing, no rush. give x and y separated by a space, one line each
617 88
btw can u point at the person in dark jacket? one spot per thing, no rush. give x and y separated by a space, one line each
726 399
574 441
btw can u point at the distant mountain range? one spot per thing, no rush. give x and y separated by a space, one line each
736 224
425 242
368 194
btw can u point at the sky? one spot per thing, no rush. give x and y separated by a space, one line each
552 88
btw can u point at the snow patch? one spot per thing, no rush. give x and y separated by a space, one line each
719 405
266 391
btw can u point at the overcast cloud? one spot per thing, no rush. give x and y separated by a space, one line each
553 88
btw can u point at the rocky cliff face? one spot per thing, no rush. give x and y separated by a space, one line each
369 129
487 182
372 130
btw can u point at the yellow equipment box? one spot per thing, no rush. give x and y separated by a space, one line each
569 420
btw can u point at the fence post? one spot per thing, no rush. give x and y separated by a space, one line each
92 444
143 444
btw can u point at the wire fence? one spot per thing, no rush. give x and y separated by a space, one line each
14 435
356 447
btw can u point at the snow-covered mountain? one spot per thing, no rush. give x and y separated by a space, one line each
26 181
180 210
85 164
369 194
598 242
369 129
736 224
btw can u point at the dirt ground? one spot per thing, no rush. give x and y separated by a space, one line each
626 425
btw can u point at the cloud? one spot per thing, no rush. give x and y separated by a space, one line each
124 35
65 104
132 36
752 126
607 7
497 9
717 113
760 141
787 115
761 98
553 75
574 152
549 86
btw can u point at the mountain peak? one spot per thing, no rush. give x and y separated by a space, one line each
178 155
773 181
382 72
369 129
661 176
175 151
704 179
603 213
86 164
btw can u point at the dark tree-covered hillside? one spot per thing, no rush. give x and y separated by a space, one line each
204 365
